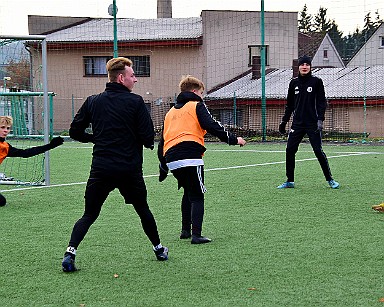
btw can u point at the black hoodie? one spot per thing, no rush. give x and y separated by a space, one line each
193 150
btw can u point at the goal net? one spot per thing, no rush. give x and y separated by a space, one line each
24 97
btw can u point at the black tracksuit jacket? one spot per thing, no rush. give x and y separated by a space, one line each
190 149
121 126
306 100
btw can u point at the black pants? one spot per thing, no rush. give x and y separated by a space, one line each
295 137
132 188
191 179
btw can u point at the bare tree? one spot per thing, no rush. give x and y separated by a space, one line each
19 71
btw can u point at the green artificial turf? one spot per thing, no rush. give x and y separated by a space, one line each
308 246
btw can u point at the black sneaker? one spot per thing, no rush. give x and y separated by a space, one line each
162 253
68 263
185 234
200 240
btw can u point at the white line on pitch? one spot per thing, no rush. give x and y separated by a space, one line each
207 170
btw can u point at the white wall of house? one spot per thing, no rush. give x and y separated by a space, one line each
372 53
327 55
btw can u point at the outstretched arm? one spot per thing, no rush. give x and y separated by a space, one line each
207 122
34 151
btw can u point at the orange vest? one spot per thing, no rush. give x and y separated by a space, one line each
182 125
4 149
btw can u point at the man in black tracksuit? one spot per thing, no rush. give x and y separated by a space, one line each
306 100
121 126
181 150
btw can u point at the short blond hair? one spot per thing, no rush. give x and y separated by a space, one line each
6 120
116 66
189 83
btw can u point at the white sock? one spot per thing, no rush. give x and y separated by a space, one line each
71 250
155 248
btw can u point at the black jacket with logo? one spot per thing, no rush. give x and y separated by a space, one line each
121 126
306 100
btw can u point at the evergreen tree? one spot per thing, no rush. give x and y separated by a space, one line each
346 45
305 21
337 38
353 42
378 20
322 23
370 26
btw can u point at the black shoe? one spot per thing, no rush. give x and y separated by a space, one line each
162 253
185 234
200 240
68 263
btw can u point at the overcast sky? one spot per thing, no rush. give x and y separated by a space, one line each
348 14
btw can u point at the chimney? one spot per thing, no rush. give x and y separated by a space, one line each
164 8
295 68
256 67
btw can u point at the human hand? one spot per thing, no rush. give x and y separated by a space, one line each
163 172
319 125
57 141
241 141
282 127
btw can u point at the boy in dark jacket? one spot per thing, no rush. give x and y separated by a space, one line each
306 100
181 150
7 150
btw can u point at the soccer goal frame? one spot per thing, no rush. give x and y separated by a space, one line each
47 116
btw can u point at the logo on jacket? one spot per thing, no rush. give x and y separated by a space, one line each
296 90
309 89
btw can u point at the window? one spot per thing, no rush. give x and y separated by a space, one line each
95 65
255 50
381 38
141 65
325 54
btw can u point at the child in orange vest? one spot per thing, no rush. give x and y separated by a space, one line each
181 151
7 150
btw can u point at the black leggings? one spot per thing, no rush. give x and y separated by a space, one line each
131 187
294 139
3 201
191 179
